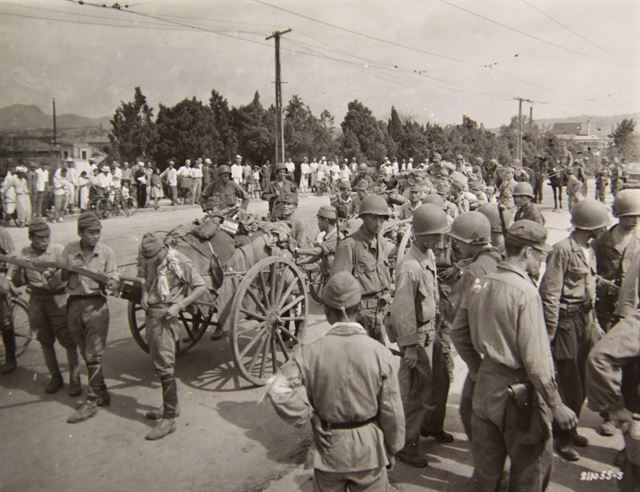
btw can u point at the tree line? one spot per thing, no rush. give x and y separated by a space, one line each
192 128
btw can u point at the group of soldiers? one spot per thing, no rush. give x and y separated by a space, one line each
468 283
68 288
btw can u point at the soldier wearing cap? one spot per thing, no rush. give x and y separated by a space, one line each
415 194
346 384
284 210
362 176
171 284
275 190
6 326
343 201
568 292
87 309
224 191
507 352
574 188
324 248
523 196
615 250
47 306
413 322
365 255
362 190
602 179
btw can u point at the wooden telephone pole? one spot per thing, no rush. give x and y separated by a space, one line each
519 148
279 123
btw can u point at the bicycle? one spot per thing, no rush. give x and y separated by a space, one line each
19 318
116 202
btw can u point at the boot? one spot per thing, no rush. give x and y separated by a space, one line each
579 440
159 413
87 410
9 341
565 447
75 387
443 437
409 455
607 428
97 388
163 428
50 359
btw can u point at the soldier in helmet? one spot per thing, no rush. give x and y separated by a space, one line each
415 194
275 190
523 196
615 250
568 292
284 210
574 188
471 235
500 221
365 255
413 322
362 190
224 191
324 247
362 176
507 352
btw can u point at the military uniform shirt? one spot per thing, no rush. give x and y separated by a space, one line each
529 212
226 192
34 278
101 260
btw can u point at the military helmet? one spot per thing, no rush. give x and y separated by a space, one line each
491 212
362 167
344 184
374 205
523 189
429 219
280 166
471 228
590 215
434 199
627 203
223 169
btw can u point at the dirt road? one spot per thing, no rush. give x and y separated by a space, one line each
225 440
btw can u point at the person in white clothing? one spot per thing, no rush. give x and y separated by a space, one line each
42 188
291 167
313 174
236 171
304 175
170 176
196 181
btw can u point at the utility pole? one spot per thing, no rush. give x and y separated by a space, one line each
279 123
54 121
520 101
530 119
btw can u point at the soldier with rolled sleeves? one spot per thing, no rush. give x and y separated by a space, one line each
87 309
523 196
413 322
364 254
346 385
568 291
471 239
275 190
613 371
47 306
6 326
224 192
171 284
343 200
507 352
324 248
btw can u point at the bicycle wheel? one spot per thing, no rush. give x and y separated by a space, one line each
103 208
132 205
19 316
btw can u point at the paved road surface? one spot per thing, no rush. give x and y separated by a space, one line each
225 440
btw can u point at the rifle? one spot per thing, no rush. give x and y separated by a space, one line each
503 222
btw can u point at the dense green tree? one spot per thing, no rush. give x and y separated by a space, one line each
359 123
186 131
254 127
132 129
223 120
626 143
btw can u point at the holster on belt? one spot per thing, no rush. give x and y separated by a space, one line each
531 421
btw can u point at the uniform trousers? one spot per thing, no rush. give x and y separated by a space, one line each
88 321
162 334
48 318
442 373
415 384
375 480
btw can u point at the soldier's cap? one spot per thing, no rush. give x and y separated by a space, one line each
21 169
362 167
89 220
328 212
342 291
345 185
529 233
289 197
207 161
416 184
459 156
151 245
39 227
363 185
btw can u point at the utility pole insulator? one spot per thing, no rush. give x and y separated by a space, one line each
279 120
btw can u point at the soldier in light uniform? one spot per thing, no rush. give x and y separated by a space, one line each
343 200
415 194
507 353
523 196
615 251
223 191
47 306
613 371
87 309
413 322
170 285
324 248
346 384
365 255
568 291
284 209
275 190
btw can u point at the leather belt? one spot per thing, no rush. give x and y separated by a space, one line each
347 425
579 307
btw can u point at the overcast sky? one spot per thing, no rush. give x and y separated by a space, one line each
434 60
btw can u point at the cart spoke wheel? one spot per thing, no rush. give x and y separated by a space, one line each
267 318
19 319
317 279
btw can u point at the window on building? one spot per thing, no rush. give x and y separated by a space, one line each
66 154
84 155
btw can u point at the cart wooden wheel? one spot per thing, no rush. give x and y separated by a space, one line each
317 279
192 327
404 244
19 318
267 319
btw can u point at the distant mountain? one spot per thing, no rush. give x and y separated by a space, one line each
23 117
600 126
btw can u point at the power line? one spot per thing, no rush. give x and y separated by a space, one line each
76 21
523 33
572 31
